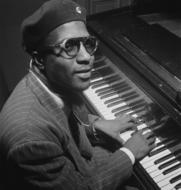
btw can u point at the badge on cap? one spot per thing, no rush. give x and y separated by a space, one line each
78 10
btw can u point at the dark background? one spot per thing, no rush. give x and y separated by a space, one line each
14 61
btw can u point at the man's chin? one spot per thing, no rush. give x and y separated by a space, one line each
82 86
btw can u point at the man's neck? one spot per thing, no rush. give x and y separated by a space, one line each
69 96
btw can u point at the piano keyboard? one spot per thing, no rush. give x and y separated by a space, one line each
112 93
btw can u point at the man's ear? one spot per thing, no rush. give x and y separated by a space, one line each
38 58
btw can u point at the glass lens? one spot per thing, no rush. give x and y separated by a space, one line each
72 47
90 45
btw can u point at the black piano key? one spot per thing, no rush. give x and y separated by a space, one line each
104 90
178 186
133 108
123 90
126 111
97 82
108 80
95 75
128 94
105 71
99 57
99 64
128 106
139 111
102 72
119 96
113 79
172 143
101 81
108 94
166 142
176 153
175 179
169 145
163 158
120 100
111 92
171 169
166 164
163 142
123 95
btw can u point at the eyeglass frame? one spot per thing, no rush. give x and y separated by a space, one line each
48 48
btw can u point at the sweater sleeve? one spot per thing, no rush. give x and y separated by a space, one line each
113 169
44 165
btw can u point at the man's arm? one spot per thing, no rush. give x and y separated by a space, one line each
44 165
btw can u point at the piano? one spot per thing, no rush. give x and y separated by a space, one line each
137 71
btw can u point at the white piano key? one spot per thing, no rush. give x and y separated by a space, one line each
170 186
101 86
97 79
100 104
155 157
165 183
103 78
162 177
149 164
100 67
158 172
151 169
111 97
117 106
125 103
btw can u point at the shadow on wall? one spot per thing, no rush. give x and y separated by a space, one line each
4 93
14 61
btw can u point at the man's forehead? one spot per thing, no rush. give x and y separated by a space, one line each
68 30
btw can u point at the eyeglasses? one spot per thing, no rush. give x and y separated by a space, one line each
69 48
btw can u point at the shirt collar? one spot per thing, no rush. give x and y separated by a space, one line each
35 72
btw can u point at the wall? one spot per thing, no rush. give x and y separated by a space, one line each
14 62
95 6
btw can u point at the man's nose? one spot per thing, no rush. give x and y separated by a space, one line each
83 56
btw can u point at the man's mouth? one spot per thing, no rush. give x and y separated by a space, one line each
84 74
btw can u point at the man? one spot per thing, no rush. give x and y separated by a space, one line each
44 124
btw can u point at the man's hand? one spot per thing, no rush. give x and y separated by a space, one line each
140 144
113 128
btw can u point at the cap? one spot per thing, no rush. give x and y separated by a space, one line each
50 15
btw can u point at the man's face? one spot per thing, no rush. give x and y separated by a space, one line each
71 73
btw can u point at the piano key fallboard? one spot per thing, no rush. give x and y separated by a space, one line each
112 93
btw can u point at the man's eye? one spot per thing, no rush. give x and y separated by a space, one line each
69 45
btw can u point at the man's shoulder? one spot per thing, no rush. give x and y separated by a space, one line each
21 105
23 116
19 97
29 109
